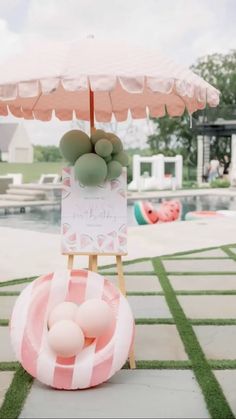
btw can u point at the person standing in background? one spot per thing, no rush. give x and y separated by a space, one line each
226 166
213 169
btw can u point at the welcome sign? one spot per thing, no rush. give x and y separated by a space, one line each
93 219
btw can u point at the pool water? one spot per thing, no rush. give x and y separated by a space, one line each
48 220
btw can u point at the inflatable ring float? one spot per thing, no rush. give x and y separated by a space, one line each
145 213
98 361
199 215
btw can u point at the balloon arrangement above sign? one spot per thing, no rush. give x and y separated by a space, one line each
97 158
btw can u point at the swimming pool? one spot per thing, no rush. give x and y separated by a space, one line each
48 220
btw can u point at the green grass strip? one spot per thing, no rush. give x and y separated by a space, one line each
222 364
9 366
4 322
16 395
154 321
196 258
139 273
17 281
161 365
176 365
9 293
200 273
207 292
229 252
214 397
144 294
212 322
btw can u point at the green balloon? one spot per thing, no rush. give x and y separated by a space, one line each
90 169
103 148
108 158
116 142
74 144
114 170
97 135
122 158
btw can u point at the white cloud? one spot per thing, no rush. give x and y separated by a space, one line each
8 39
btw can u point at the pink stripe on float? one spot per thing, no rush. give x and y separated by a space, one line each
34 327
76 290
29 356
62 377
65 361
79 273
63 372
101 372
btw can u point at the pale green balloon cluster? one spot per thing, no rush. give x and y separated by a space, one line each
96 159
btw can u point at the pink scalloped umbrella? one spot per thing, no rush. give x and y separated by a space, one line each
90 78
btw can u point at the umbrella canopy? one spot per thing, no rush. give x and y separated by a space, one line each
70 78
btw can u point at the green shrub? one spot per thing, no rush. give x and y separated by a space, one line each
220 183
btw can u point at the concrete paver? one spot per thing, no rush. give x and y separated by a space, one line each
217 342
209 306
149 307
214 265
16 287
5 381
6 351
203 282
128 394
227 379
139 283
6 306
158 342
145 266
205 254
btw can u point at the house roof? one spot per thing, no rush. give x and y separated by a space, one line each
6 134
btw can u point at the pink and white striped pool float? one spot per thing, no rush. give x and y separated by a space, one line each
99 359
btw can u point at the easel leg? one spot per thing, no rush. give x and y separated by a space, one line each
90 265
70 261
93 263
121 278
121 284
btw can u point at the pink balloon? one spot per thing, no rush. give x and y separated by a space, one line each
95 317
66 338
63 311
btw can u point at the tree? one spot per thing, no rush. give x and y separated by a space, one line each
47 153
175 135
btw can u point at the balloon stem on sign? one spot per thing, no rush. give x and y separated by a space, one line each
91 110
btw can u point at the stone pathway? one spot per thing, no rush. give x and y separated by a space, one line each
185 311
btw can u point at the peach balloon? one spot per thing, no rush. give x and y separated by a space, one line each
63 311
94 317
66 338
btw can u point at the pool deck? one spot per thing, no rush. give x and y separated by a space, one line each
28 253
178 193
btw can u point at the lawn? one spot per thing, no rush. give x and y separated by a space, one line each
31 171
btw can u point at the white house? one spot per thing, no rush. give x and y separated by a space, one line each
15 146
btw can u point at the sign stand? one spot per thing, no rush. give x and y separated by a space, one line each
93 265
93 257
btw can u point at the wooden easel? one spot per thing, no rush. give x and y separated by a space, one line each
93 266
93 257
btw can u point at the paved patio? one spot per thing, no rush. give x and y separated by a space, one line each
185 311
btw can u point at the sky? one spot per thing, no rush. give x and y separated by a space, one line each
182 29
